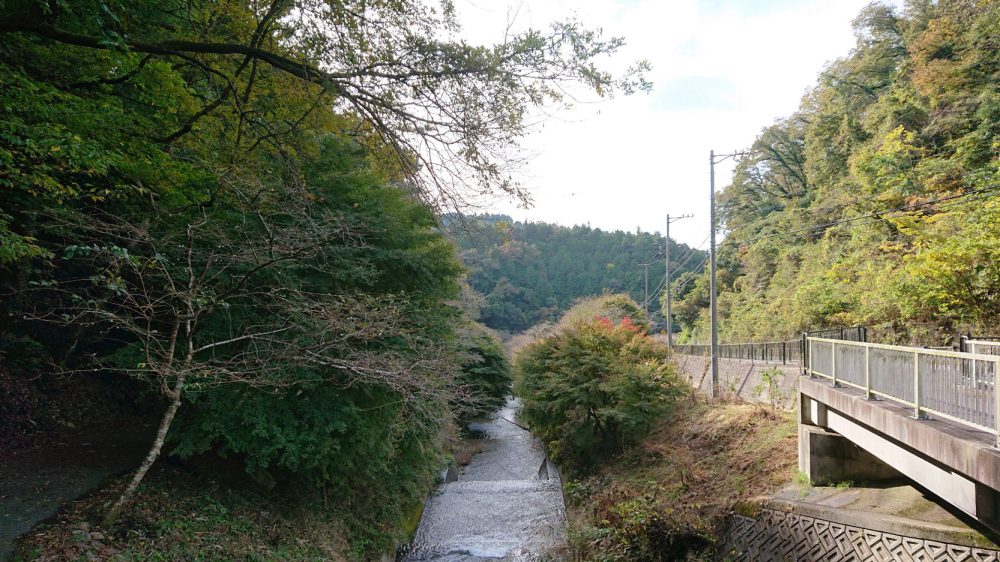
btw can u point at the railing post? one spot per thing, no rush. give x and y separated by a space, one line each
808 348
833 361
868 374
996 399
804 351
971 349
916 384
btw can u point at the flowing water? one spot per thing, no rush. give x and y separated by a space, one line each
507 504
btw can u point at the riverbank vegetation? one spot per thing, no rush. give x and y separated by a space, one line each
185 515
876 202
668 497
230 208
652 469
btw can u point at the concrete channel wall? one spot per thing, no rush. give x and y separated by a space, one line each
752 381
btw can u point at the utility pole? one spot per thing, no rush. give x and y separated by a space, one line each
712 161
666 281
715 331
645 293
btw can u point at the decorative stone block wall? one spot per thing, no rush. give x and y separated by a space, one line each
776 535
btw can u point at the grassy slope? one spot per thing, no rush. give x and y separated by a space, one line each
178 516
665 499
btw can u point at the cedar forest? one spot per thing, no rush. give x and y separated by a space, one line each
522 274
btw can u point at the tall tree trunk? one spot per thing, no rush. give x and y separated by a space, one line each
152 455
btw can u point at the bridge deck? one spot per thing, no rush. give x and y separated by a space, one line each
956 462
953 446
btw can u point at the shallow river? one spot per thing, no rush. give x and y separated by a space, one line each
506 504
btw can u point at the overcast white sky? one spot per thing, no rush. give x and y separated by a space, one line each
722 71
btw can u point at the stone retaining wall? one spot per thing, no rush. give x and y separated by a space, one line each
752 381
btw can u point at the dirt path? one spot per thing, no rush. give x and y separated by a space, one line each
35 482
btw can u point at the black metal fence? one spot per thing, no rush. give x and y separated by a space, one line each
789 351
854 333
785 352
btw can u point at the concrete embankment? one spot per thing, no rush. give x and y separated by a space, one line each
751 381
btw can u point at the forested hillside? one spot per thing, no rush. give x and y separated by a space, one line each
528 272
876 202
227 206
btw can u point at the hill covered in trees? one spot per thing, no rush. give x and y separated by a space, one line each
528 272
876 202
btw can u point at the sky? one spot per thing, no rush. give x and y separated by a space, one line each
722 70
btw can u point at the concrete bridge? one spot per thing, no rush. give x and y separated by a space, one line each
870 412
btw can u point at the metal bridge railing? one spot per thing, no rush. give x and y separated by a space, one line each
788 352
951 385
983 347
852 333
964 341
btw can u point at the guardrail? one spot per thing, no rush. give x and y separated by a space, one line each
784 352
965 339
952 385
983 347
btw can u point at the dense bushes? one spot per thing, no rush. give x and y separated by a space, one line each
319 436
593 386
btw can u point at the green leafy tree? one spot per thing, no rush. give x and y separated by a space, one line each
440 107
484 381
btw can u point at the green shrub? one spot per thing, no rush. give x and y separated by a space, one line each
375 468
593 388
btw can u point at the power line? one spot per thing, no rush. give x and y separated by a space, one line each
634 284
875 215
684 262
938 203
700 247
690 253
693 277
